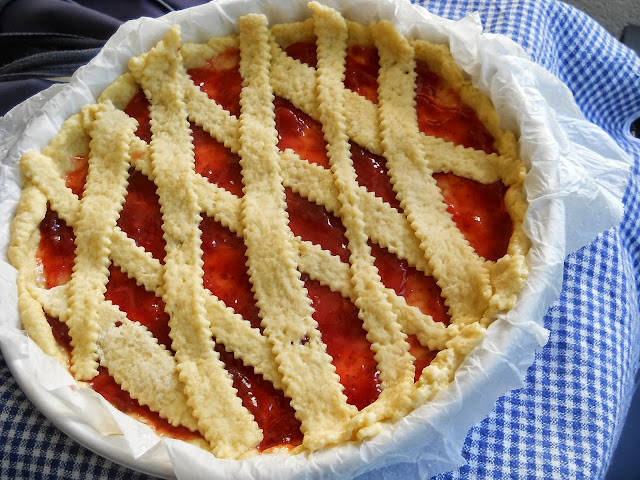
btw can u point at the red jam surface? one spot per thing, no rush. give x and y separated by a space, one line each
299 132
141 218
138 108
315 224
346 342
225 269
442 114
77 177
220 79
215 162
60 332
423 356
418 289
140 305
371 172
303 51
479 212
269 406
56 251
361 71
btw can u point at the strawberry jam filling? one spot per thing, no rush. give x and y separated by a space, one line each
60 332
479 212
225 269
215 162
139 304
138 108
299 132
269 406
417 289
361 71
423 356
56 250
441 113
77 177
317 225
304 52
371 172
141 218
346 342
220 79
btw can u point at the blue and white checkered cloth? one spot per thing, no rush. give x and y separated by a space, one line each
565 421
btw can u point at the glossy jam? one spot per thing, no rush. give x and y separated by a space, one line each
215 162
56 250
371 172
299 132
303 51
269 406
423 356
77 177
346 342
361 71
417 289
479 212
225 269
140 305
138 108
315 224
442 114
220 79
141 218
60 332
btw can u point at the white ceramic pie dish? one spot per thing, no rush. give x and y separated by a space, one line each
431 437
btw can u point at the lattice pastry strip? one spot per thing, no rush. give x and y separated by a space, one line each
226 424
284 307
461 274
387 340
97 216
288 350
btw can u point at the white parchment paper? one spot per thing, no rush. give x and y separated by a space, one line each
577 176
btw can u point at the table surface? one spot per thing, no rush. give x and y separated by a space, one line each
566 420
613 15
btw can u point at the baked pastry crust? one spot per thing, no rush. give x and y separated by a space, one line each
289 351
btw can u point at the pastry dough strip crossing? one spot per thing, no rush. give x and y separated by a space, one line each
111 132
387 340
225 423
459 271
308 375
